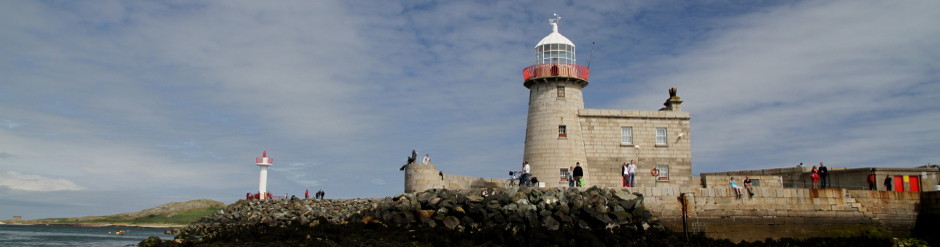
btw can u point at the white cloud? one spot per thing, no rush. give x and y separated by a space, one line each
29 182
178 98
808 82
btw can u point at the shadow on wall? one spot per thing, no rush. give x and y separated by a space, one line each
928 217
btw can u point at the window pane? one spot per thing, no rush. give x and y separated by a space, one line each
661 136
626 135
663 172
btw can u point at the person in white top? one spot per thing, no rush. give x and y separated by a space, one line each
427 159
526 175
631 173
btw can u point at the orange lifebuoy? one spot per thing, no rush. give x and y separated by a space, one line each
654 172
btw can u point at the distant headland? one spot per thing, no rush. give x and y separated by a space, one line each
173 214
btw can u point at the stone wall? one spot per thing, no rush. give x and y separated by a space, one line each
758 181
778 212
606 154
847 178
546 149
421 177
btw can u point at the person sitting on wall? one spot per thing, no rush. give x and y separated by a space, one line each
411 160
747 185
737 189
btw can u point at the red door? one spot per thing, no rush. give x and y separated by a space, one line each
898 183
915 184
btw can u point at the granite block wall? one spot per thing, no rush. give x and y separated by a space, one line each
606 153
779 212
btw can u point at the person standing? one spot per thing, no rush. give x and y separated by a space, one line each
888 182
306 194
427 159
823 176
578 174
626 175
871 180
631 169
570 176
526 174
814 175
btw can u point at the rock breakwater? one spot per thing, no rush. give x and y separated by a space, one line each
457 210
473 211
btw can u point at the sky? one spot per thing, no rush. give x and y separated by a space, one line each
117 106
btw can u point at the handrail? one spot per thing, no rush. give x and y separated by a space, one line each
556 70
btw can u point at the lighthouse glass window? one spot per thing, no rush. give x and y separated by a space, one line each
555 53
562 131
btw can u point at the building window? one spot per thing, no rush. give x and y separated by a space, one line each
564 174
561 91
626 135
663 172
660 136
562 131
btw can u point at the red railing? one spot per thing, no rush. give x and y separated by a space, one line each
556 70
259 160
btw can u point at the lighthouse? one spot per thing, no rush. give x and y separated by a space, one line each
553 140
264 162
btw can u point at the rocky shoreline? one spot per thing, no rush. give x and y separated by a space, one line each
441 217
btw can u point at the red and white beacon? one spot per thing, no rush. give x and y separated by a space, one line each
264 162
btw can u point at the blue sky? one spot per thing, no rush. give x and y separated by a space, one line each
117 106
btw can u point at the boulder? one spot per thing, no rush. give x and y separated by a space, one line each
451 222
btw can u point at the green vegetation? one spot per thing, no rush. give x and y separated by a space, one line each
170 214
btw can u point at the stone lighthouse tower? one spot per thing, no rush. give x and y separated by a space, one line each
264 162
553 140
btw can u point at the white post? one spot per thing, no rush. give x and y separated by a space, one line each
263 182
264 162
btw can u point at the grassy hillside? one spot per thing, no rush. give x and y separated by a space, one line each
174 213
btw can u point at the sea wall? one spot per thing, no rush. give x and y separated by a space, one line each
779 212
773 212
724 181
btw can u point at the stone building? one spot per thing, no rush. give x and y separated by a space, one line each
560 132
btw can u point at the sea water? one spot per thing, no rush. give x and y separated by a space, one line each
59 235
